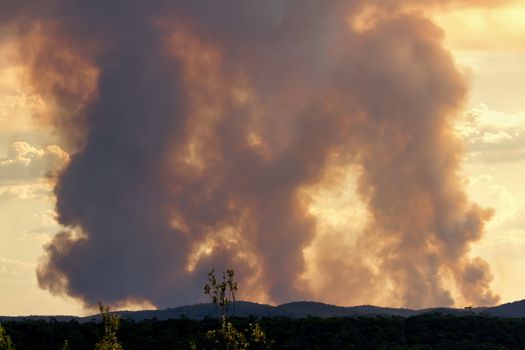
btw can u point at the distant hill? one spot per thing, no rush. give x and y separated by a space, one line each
294 310
514 309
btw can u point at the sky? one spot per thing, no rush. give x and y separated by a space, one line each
345 228
487 43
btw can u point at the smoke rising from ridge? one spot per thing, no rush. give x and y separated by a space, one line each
196 128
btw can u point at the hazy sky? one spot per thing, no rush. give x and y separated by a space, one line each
487 46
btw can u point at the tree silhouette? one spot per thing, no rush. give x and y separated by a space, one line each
111 324
228 336
5 340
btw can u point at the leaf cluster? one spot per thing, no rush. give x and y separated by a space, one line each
111 325
223 292
5 340
228 336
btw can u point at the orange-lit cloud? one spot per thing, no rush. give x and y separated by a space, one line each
25 162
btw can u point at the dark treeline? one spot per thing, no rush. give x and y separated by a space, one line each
430 331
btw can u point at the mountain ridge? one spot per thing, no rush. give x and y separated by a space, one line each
296 309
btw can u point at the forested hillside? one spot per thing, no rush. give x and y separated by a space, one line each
430 331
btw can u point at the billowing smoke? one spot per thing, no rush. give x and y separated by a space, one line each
196 128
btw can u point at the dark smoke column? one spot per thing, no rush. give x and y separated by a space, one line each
196 126
170 179
114 193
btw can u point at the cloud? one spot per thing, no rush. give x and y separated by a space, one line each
19 105
493 137
24 192
25 163
13 269
510 206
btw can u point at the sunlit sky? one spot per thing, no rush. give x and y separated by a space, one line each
487 45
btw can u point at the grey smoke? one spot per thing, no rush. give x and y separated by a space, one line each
137 207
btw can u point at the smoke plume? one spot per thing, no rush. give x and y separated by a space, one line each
195 129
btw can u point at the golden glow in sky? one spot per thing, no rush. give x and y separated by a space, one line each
489 44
